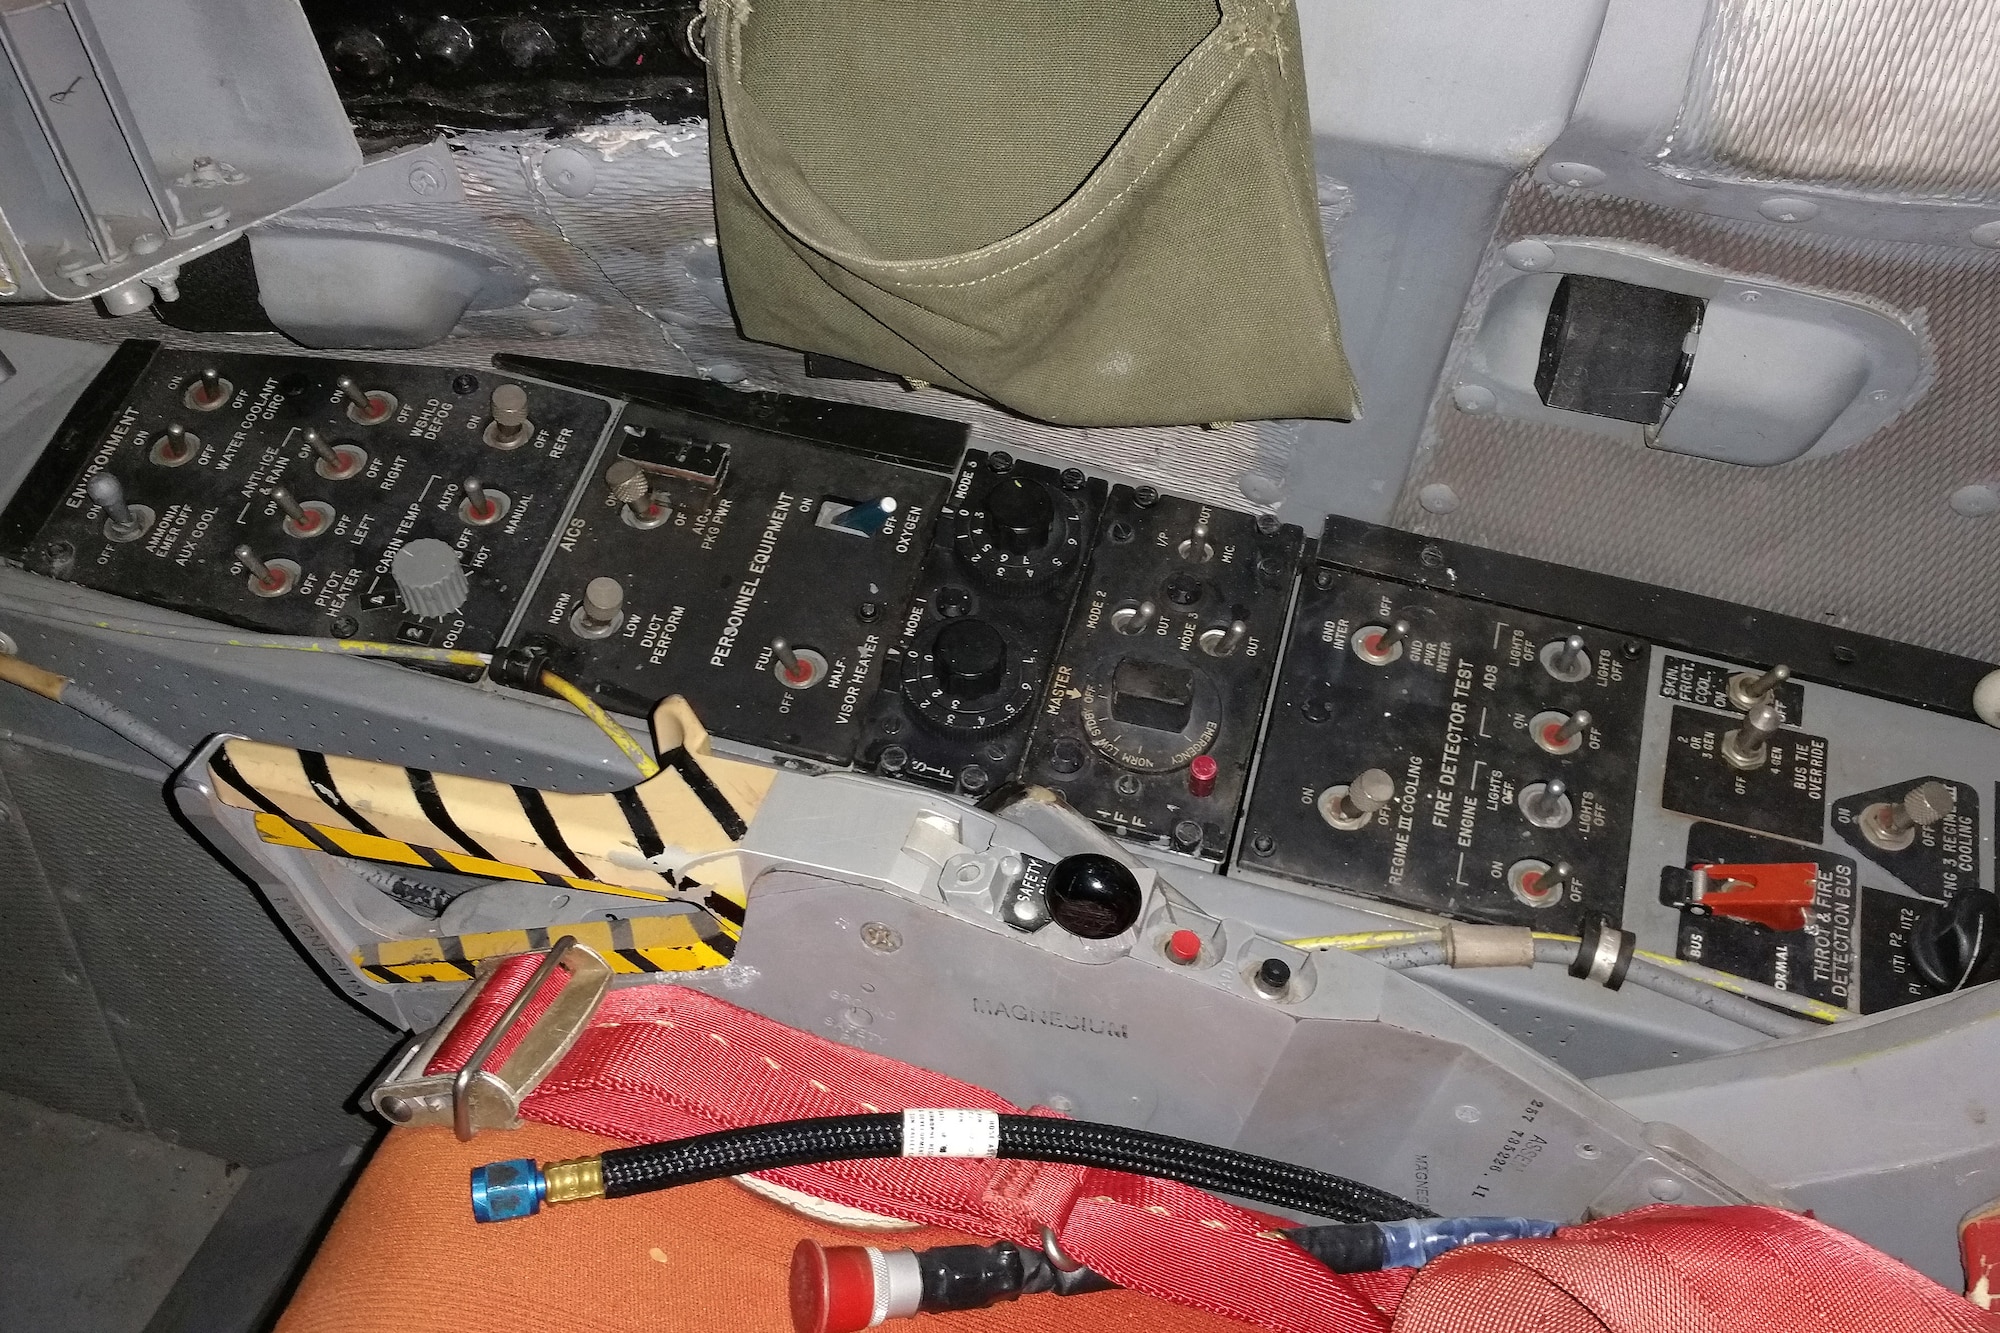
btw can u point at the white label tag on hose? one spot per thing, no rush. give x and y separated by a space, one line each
935 1133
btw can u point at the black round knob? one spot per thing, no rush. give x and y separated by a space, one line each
1274 975
612 40
528 44
1020 514
1093 896
971 658
361 54
446 41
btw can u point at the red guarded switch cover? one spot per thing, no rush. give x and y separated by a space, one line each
1778 896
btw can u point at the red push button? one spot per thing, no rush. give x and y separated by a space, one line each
1201 775
1184 946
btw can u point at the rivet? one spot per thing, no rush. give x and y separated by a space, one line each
1787 209
1665 1188
424 179
1473 399
1576 175
1986 234
1975 501
1530 256
1469 1114
1438 498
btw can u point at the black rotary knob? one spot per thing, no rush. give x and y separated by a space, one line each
1093 896
1020 514
970 657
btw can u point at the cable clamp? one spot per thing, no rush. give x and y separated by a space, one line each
473 1097
1603 954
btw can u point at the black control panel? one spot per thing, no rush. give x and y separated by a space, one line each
300 495
1153 707
971 659
758 572
1449 755
1496 739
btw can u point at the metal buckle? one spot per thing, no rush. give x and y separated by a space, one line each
474 1097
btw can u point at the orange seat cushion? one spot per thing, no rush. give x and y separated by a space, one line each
405 1256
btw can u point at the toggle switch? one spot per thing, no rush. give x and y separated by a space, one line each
1747 747
601 611
337 461
366 407
1379 645
1197 549
1352 805
1560 733
1539 884
1748 689
632 486
1568 660
208 391
174 446
268 578
1136 618
1547 804
796 668
302 520
1222 642
123 522
1893 826
870 518
510 427
482 506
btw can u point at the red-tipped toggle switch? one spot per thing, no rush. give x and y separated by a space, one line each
1201 775
1778 896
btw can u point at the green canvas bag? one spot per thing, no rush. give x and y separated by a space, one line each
1092 213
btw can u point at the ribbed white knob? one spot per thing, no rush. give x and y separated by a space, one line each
429 578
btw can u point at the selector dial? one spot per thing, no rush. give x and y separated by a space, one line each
1021 533
1020 514
970 658
968 679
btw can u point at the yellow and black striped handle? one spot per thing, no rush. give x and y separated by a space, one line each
636 842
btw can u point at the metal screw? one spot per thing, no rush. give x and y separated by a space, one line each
1263 844
1127 785
1146 496
894 759
1000 462
1431 557
880 937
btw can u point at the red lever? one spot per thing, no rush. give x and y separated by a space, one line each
1777 896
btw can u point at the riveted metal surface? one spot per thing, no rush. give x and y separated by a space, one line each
1865 539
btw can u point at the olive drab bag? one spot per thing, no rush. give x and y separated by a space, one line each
1092 212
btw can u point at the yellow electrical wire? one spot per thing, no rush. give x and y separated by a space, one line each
1368 939
620 737
1801 1004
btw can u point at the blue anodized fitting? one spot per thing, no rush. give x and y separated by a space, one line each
503 1191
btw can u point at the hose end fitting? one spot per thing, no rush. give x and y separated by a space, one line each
503 1191
574 1181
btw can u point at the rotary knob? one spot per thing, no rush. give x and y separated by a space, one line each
970 658
429 578
1020 514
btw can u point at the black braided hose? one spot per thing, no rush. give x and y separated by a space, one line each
847 1138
